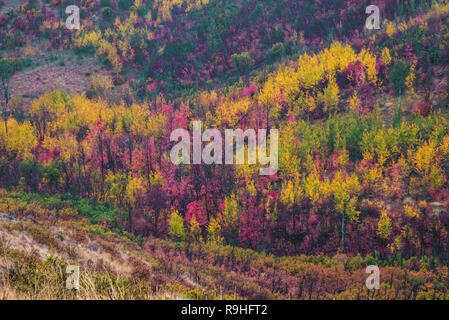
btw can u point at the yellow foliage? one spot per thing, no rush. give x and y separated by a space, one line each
384 226
410 80
424 158
230 112
29 50
297 85
330 95
20 139
436 177
46 110
407 234
251 188
270 97
134 189
291 191
66 143
426 162
156 180
176 227
444 147
422 204
354 102
230 210
411 211
214 231
396 246
86 40
380 144
309 102
373 176
343 158
391 29
110 52
116 188
100 85
346 191
195 231
316 190
386 57
369 62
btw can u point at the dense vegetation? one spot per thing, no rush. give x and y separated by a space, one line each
37 249
364 138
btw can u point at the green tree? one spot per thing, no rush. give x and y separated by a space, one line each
107 12
275 52
6 72
398 75
31 171
397 78
242 62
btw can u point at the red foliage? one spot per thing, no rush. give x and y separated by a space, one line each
422 108
195 209
20 23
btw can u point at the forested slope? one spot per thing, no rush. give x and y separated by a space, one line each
363 140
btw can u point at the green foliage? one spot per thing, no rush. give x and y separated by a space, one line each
124 4
6 69
107 12
6 72
276 34
275 52
142 11
51 174
96 212
399 74
242 62
93 211
354 263
31 170
24 63
105 3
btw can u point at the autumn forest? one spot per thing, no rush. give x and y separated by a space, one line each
363 154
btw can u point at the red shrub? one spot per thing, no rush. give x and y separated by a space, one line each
20 23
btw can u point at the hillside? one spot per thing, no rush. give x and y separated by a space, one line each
361 169
44 235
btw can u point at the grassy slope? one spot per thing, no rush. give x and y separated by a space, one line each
38 242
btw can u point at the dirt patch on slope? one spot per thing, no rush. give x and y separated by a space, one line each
11 5
50 77
74 78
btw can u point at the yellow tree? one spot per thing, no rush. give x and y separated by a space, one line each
176 227
346 191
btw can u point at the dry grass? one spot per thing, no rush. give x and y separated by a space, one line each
34 259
